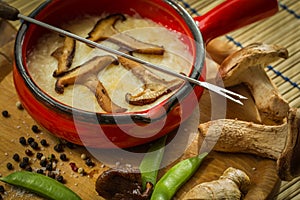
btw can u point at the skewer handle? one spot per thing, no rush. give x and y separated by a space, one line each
8 12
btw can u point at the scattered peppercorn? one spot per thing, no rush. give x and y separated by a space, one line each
74 167
5 113
49 166
80 170
23 165
28 168
28 152
34 145
51 175
9 166
43 163
35 129
63 157
26 160
44 142
2 189
51 157
40 171
83 156
39 155
19 105
60 178
89 162
58 147
30 140
70 145
22 140
16 157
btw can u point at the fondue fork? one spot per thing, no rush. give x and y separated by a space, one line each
11 13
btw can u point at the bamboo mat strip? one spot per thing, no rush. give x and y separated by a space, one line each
282 29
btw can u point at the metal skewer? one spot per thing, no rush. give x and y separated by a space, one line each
11 13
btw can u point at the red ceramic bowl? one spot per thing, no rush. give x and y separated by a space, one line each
109 130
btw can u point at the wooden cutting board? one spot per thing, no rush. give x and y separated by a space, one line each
262 172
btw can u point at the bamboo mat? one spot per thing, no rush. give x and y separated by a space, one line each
282 29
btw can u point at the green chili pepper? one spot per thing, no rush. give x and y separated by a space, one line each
151 162
40 184
168 185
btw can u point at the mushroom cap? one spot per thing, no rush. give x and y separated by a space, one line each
253 55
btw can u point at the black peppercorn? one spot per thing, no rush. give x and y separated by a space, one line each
9 166
5 113
49 166
51 175
35 129
30 140
28 152
43 163
44 143
58 147
2 189
40 171
63 157
16 157
22 140
60 178
28 168
39 155
70 145
89 162
51 157
23 165
25 160
34 145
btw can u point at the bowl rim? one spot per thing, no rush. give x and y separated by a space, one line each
113 118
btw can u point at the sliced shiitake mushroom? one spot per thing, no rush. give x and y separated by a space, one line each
64 55
154 86
86 74
105 30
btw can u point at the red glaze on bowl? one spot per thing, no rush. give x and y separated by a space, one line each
110 130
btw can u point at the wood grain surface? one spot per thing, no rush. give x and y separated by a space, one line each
261 171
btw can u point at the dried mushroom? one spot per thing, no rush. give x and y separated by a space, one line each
220 48
232 185
64 55
279 142
154 86
105 30
86 74
124 183
247 66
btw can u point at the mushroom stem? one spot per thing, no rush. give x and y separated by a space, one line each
245 137
279 142
105 30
